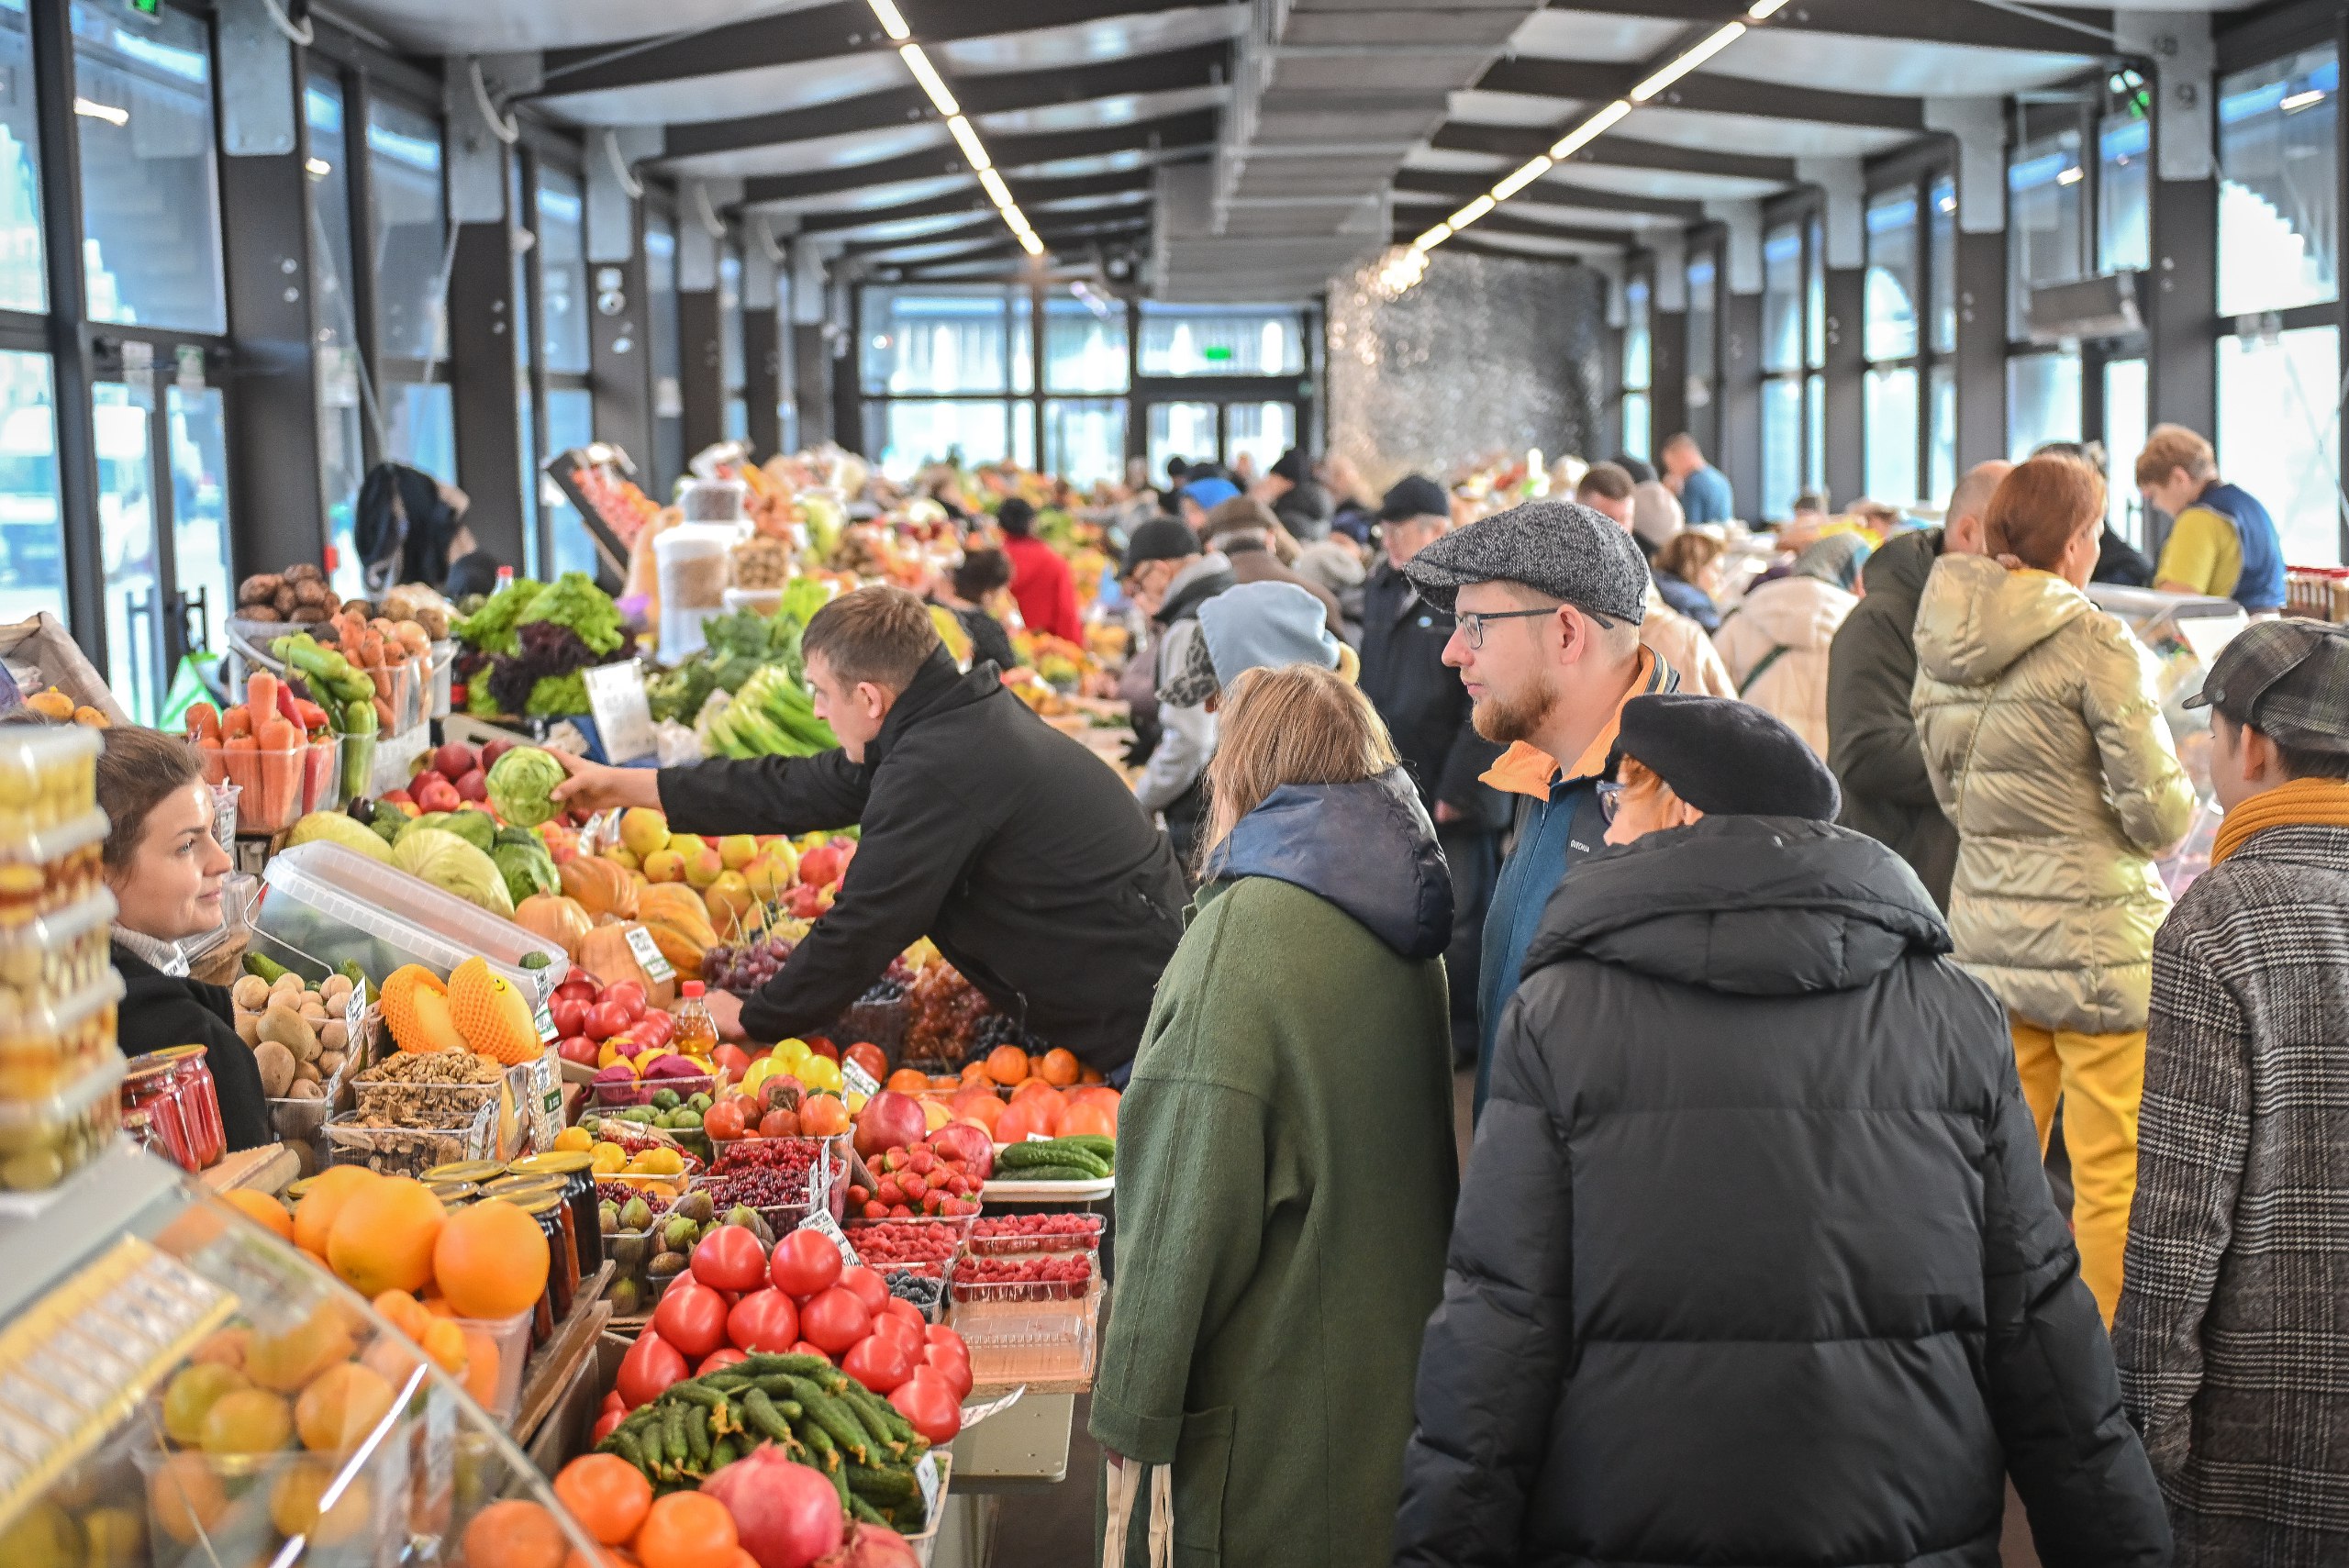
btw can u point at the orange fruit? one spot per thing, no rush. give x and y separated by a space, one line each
1007 1064
445 1342
191 1394
1091 1076
518 1534
262 1210
687 1530
286 1361
1092 1119
341 1407
226 1346
1060 1067
491 1260
975 1073
314 1217
607 1495
403 1311
383 1235
247 1420
482 1369
293 1503
185 1498
908 1081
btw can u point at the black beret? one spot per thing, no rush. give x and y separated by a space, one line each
1727 758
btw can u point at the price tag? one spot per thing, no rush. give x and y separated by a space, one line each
1039 1138
648 954
822 1223
623 713
973 1413
354 1027
545 1017
855 1080
926 1477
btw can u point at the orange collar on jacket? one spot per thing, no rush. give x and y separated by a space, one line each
1526 769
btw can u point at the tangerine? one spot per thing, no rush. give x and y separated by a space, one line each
1007 1064
908 1081
383 1235
975 1073
491 1261
687 1530
444 1342
607 1495
404 1312
1060 1067
518 1534
185 1498
1082 1120
288 1360
192 1391
314 1217
481 1368
262 1210
293 1503
247 1420
341 1407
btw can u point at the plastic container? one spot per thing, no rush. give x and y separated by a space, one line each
1087 1239
511 1338
48 775
758 601
243 1530
444 666
694 565
274 786
44 1140
408 1151
617 1095
711 501
335 904
46 1047
44 958
1022 1341
50 867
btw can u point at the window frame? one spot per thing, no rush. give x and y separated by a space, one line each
1921 183
1805 214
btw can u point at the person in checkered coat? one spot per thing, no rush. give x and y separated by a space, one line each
2232 1335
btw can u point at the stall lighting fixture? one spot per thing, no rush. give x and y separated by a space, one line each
966 136
1404 268
2299 101
91 109
2071 176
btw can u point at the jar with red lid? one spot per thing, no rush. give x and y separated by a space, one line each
151 1108
200 1094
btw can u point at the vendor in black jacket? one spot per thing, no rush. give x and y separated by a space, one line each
164 868
1756 1261
1017 850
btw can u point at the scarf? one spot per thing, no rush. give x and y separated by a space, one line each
2320 803
162 955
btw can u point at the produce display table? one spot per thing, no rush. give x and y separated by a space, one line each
555 1365
1022 1449
267 1168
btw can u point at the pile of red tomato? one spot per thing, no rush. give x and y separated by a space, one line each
587 1013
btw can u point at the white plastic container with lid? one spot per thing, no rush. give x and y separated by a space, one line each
712 500
694 570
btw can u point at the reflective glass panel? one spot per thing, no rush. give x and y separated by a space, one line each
1638 420
2279 191
1941 447
935 340
2045 222
2126 420
1084 440
1942 204
2042 402
914 434
1638 343
422 429
1084 345
563 270
668 456
1704 317
24 282
1814 294
1179 429
570 422
1220 340
1782 447
342 458
134 598
410 236
1891 431
1782 299
150 208
1890 287
729 320
1260 430
2124 191
200 555
2279 435
32 543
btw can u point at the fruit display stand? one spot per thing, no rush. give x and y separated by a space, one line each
181 1388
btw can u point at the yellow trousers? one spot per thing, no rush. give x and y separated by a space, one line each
2099 1078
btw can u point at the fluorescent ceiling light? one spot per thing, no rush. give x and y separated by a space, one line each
891 22
1524 177
97 111
2071 176
2299 101
1030 243
969 139
1432 238
1470 214
931 82
1763 10
997 192
1589 130
1017 219
319 167
1713 44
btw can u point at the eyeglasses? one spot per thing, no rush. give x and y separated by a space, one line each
1471 624
1610 798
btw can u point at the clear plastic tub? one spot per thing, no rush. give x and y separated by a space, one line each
44 1140
50 867
444 664
335 904
48 775
509 1339
712 500
694 567
274 786
409 1151
1026 1341
46 1047
44 958
1084 1238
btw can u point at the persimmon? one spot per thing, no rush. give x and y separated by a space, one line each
515 1534
607 1495
1060 1067
687 1530
1007 1065
908 1081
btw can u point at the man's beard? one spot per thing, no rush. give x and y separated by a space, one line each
1504 722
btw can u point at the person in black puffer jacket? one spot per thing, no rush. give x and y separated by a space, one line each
1755 1261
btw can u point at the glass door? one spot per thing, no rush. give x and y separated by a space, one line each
202 594
123 418
1187 430
163 530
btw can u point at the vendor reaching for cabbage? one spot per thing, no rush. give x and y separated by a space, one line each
1007 842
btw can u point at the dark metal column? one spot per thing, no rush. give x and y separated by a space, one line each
701 370
273 391
486 388
1667 378
620 345
762 381
1846 383
812 383
848 385
1739 399
77 451
2181 369
1981 357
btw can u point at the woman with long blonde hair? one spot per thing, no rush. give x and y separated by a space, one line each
1286 1173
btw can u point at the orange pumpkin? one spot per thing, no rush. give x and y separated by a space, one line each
561 919
601 887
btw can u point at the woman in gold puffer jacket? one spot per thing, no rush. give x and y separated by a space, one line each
2048 750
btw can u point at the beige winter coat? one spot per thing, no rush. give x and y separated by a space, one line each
1799 615
1682 643
2048 750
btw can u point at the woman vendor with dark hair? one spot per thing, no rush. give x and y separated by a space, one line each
164 868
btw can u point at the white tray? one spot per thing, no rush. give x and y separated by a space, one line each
1000 1191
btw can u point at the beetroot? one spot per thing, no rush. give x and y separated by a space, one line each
785 1515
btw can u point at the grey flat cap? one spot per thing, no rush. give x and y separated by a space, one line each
1556 548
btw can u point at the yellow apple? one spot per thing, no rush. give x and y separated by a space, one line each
703 867
664 865
687 844
737 850
644 831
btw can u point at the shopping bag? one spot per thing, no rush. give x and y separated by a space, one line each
1124 1481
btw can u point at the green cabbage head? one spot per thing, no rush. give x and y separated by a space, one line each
519 783
451 864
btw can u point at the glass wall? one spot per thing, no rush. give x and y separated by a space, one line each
1888 336
730 342
2124 226
151 202
2279 433
24 282
2127 400
342 448
1639 423
563 270
409 244
1786 345
1222 339
2046 230
668 388
2042 401
1704 335
2279 185
32 543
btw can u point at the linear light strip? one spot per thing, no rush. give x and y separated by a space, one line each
1595 126
966 134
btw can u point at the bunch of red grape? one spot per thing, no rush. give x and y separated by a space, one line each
742 969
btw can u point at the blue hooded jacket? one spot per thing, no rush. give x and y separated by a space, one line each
1366 847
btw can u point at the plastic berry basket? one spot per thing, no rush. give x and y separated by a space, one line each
1081 1237
1004 1292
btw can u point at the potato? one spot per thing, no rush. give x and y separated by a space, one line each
307 1073
249 1027
335 1036
308 1089
251 992
335 990
329 1064
314 1010
277 1068
292 1030
286 986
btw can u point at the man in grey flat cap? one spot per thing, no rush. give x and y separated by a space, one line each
1546 601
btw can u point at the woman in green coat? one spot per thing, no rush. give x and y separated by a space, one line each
1285 1172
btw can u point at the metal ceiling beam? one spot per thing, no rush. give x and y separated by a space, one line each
1010 152
1038 190
1587 81
1511 220
1517 143
1469 243
1009 250
816 32
1465 188
1202 66
1915 21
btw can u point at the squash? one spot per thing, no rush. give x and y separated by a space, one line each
680 908
683 952
601 887
557 918
606 954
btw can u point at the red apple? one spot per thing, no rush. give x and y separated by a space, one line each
397 797
494 750
454 759
473 786
436 793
